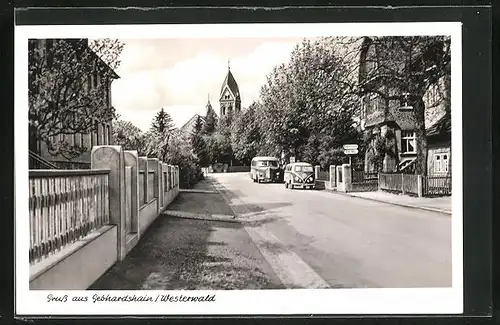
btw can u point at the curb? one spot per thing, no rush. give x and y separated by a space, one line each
200 216
393 203
198 191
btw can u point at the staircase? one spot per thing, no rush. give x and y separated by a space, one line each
38 162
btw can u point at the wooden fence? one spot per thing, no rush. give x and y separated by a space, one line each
437 185
64 206
415 184
401 183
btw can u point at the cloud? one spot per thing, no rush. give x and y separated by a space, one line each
151 78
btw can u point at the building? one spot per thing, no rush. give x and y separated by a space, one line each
229 100
40 157
189 127
387 117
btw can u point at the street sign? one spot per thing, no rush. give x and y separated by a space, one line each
292 160
350 147
350 151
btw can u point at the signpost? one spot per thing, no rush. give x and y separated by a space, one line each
350 150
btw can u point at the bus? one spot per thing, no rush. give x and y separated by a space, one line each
265 169
299 174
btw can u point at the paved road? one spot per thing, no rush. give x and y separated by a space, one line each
316 239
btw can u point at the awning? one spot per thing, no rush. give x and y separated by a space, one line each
406 162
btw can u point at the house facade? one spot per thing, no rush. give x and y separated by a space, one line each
101 133
388 120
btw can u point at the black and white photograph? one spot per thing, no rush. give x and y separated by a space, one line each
239 168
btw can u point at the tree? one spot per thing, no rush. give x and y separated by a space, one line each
198 143
128 136
210 121
246 134
305 99
68 89
159 134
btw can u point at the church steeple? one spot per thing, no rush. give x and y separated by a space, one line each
229 99
209 106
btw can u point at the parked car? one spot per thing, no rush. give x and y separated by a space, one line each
299 174
265 169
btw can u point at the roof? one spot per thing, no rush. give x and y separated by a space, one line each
441 127
230 82
190 123
265 158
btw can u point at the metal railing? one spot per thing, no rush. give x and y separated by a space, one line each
64 206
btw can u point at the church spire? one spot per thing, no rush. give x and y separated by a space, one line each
208 102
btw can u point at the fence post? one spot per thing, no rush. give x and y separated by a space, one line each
317 169
402 183
333 173
112 158
153 166
419 186
160 185
347 177
378 181
143 166
132 160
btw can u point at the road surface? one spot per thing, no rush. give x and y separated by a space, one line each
317 239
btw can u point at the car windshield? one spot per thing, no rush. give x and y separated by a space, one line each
303 168
267 163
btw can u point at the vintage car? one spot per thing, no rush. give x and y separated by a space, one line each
265 169
299 174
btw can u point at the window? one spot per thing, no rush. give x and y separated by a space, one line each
307 169
405 102
266 163
441 162
408 142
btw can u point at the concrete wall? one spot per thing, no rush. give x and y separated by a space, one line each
79 264
147 214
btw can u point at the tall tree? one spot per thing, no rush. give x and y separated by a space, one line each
302 100
68 89
210 121
160 133
246 134
198 143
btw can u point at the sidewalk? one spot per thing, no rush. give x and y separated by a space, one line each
181 253
435 204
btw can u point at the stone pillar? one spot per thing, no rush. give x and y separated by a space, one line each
346 172
132 160
317 169
112 158
333 178
344 178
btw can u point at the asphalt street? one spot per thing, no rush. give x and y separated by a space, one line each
321 239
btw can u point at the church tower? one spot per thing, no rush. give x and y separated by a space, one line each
230 100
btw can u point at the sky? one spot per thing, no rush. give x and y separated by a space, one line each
179 75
